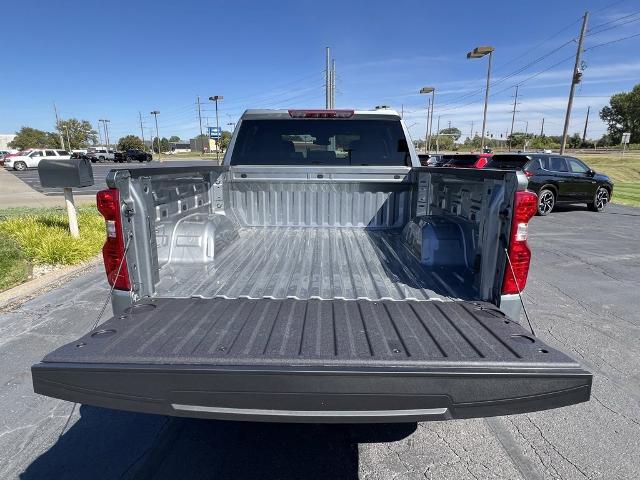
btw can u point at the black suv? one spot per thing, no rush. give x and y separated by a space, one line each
558 179
133 154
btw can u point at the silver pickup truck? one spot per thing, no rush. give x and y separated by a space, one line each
319 275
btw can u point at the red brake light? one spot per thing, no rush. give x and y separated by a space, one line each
529 174
321 113
108 203
517 271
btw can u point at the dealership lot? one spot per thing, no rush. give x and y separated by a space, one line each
100 171
582 297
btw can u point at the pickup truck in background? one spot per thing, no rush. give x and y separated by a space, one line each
100 155
319 275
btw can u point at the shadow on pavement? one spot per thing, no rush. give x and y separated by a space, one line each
112 444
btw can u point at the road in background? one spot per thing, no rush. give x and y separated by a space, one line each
582 297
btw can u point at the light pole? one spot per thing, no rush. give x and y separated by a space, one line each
215 99
432 91
155 114
480 52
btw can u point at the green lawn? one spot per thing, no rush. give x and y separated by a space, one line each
14 267
31 236
623 170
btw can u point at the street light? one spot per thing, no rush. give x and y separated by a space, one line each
155 114
215 98
480 52
432 91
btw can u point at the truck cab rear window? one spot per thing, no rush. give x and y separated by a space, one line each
321 142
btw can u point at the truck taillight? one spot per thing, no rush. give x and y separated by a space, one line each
517 267
108 202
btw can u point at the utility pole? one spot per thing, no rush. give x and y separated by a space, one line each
200 120
327 81
575 79
438 136
542 128
99 133
215 99
333 83
471 136
513 116
586 124
144 145
66 129
449 124
106 130
155 114
55 109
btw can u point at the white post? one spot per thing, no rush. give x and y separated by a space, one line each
71 212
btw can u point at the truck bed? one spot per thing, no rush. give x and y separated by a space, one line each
313 360
324 263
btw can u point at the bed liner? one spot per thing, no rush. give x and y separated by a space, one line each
313 360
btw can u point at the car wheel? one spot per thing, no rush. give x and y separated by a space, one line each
20 166
546 201
128 159
600 200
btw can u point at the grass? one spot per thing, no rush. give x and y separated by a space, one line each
623 170
42 237
14 266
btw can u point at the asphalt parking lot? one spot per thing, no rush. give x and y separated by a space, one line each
582 296
100 171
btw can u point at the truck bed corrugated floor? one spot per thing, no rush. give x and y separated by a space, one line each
326 263
314 332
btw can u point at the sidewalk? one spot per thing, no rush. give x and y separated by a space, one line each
15 193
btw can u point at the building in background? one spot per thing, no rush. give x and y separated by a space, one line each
197 144
5 139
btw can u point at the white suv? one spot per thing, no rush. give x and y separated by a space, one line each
31 158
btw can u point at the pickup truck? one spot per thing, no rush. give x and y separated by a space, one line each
319 275
100 155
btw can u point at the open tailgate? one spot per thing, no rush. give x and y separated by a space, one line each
313 361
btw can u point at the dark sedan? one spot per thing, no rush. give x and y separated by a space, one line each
559 179
132 155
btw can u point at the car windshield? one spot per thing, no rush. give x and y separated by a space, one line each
320 142
461 160
508 162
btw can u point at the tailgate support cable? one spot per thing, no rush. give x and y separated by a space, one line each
524 309
95 324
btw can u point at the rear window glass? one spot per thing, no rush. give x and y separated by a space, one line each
508 162
320 142
461 160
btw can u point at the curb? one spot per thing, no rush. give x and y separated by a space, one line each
19 294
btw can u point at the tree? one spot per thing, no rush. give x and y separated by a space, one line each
79 133
543 143
453 132
623 115
130 142
574 141
28 137
165 146
225 139
174 139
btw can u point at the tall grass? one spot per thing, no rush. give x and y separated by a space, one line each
14 267
43 236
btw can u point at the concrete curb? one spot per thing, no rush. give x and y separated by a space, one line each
14 297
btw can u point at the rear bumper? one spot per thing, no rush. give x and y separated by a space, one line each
312 394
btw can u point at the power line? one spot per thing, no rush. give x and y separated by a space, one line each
615 20
612 41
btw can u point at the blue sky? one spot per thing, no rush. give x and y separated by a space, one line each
113 59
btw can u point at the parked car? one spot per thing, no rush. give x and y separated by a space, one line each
331 280
132 155
31 158
100 155
466 160
559 179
